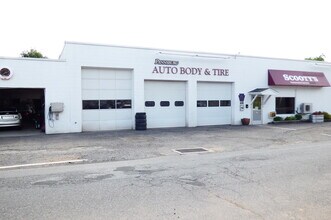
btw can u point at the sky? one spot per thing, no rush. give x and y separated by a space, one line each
293 29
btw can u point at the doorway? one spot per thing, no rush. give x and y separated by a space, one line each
29 104
257 110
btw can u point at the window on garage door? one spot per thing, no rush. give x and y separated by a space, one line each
202 103
213 103
225 103
164 103
90 104
149 103
107 104
179 103
123 103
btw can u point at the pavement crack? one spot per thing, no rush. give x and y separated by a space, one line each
235 172
240 206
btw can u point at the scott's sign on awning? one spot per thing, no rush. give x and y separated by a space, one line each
296 78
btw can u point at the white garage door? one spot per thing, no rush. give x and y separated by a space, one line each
165 104
214 103
107 98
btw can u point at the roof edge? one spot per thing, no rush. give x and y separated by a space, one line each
191 52
31 59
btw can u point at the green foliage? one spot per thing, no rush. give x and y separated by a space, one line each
32 53
298 117
290 118
319 58
327 116
278 118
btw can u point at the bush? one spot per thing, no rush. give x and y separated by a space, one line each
327 116
290 118
298 117
278 118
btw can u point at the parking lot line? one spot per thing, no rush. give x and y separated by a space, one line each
274 127
42 164
329 135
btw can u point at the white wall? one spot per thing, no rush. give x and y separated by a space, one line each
50 75
142 63
252 73
248 73
62 79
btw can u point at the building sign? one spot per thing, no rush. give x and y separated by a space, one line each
5 73
241 97
296 78
172 67
166 62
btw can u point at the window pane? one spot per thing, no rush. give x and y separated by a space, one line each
90 104
225 103
213 103
165 103
201 103
149 103
179 103
285 105
125 103
107 104
257 103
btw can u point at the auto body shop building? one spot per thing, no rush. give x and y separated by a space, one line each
99 87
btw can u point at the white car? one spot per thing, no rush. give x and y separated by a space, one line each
10 117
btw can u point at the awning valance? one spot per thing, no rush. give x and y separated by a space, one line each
297 78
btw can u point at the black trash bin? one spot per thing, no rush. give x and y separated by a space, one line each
141 122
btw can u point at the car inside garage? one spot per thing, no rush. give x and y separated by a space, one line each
22 109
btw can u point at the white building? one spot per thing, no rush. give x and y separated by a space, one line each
102 87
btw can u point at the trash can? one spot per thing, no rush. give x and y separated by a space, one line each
141 122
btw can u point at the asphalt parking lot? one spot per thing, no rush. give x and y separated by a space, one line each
130 144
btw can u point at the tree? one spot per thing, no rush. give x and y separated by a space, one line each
32 53
319 58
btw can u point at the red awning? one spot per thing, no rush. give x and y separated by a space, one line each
296 78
